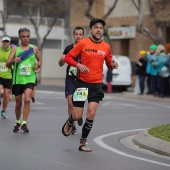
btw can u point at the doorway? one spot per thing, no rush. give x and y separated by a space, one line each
124 47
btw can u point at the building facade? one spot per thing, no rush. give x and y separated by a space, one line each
54 45
121 23
120 27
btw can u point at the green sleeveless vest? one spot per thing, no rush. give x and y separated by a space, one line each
23 71
5 72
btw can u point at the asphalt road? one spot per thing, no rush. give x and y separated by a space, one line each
45 148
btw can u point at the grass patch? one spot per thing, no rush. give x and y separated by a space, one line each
161 132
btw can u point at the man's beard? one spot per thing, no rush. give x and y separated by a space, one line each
96 38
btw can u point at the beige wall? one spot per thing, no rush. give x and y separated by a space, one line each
124 8
50 67
124 14
78 10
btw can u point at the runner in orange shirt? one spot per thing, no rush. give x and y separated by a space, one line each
93 51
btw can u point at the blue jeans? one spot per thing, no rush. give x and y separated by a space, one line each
149 84
160 85
155 84
141 83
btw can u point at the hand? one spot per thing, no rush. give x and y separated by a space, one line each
139 63
17 59
114 65
82 68
36 67
63 56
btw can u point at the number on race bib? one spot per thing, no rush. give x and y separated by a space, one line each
25 70
3 67
80 94
73 70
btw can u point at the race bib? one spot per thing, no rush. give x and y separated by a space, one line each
73 70
80 94
25 70
3 67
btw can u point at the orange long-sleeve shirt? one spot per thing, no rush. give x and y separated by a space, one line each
92 55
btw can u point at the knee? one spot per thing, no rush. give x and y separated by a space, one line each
26 100
91 114
18 104
6 96
76 116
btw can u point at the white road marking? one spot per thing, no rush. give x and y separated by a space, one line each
37 108
117 104
99 141
49 92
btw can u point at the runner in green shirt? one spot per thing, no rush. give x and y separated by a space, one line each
23 59
5 74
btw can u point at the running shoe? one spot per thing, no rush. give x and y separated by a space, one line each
73 131
16 128
24 129
80 121
3 114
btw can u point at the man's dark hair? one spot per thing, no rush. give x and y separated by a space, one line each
23 30
78 28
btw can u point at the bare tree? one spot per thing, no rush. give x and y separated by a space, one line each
4 14
90 16
138 4
144 30
47 13
50 10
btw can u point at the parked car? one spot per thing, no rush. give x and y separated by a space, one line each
122 76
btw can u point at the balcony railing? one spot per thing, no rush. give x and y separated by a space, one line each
26 20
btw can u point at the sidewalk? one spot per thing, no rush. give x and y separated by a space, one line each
146 141
59 84
131 95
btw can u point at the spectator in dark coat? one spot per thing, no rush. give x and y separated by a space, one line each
141 70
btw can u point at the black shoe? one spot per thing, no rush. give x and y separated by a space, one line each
24 129
73 131
67 128
80 121
16 128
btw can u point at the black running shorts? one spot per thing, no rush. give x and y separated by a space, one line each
7 83
69 85
19 89
95 92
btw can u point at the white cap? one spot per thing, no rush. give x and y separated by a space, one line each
6 38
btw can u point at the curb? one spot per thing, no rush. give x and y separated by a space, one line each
146 141
131 95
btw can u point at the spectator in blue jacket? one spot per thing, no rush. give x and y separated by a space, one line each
167 81
159 65
150 55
